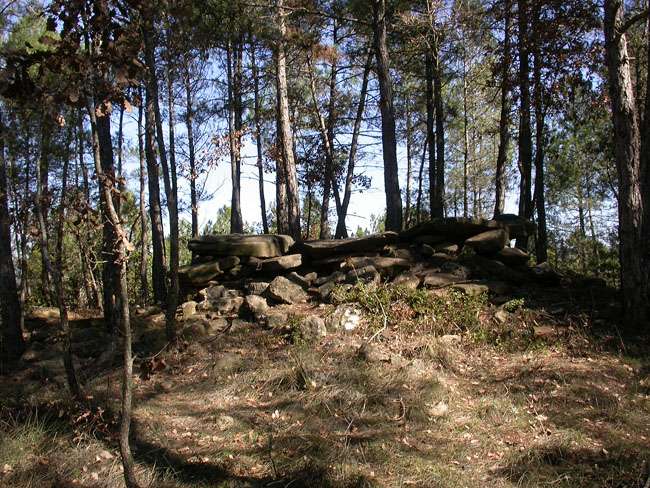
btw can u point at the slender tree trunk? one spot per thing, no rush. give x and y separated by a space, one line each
122 319
634 272
144 282
189 118
258 139
438 210
41 206
418 205
158 265
12 344
388 137
234 59
286 137
465 141
120 139
409 150
525 134
504 119
431 132
541 242
341 228
172 205
68 363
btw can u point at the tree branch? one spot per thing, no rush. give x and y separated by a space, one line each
633 20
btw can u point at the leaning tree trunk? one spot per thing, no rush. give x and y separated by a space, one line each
258 139
388 137
158 263
341 227
634 274
525 134
284 124
122 319
13 344
504 120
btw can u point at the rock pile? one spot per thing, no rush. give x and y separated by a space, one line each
244 276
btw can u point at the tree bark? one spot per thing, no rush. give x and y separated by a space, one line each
465 141
438 209
418 204
341 228
189 125
13 344
68 363
172 206
258 139
290 179
525 134
234 60
144 282
409 150
541 242
504 119
122 319
431 132
41 206
158 265
388 137
634 272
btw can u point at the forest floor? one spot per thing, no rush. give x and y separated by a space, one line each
552 404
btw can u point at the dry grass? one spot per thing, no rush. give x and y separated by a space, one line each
251 409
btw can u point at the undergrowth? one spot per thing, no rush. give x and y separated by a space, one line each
437 312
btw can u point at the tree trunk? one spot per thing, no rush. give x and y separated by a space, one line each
122 319
68 363
504 120
13 344
290 178
234 59
341 228
465 141
418 205
438 210
525 135
409 150
158 265
172 206
258 140
541 242
634 272
189 117
144 282
41 206
431 133
388 137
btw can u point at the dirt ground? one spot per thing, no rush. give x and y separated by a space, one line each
250 407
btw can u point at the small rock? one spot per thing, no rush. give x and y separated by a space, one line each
501 316
215 326
335 277
544 332
407 280
439 280
312 327
299 280
456 269
276 320
213 292
285 291
256 305
195 328
280 263
227 306
372 354
256 287
440 409
447 248
311 277
188 309
345 317
471 289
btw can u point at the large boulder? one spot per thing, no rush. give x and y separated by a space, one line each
285 291
488 242
262 246
332 247
199 274
448 229
384 265
517 226
280 263
512 256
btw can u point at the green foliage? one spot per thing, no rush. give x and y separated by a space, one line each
513 305
420 310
